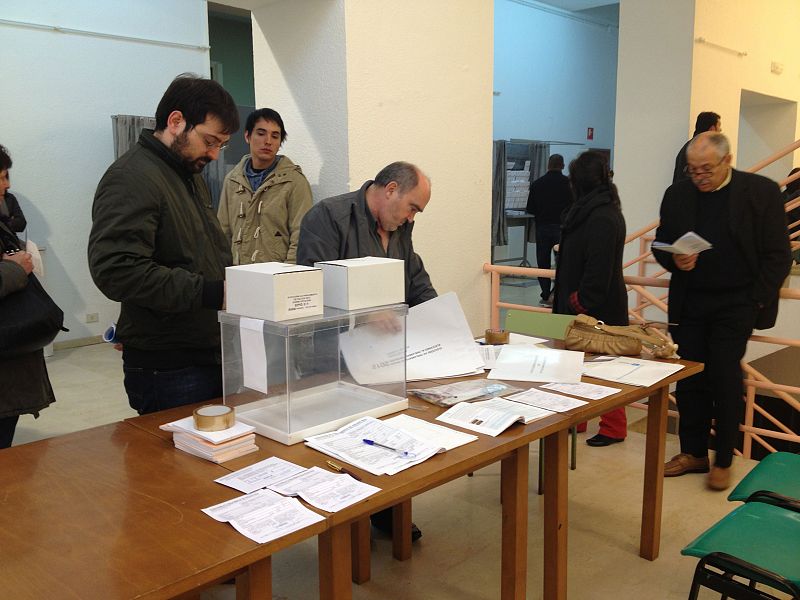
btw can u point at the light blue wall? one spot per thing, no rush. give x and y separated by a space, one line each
556 77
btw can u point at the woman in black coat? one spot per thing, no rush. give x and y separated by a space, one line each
589 274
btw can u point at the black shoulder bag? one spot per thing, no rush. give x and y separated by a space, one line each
29 319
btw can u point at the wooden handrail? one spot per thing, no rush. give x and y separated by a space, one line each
773 157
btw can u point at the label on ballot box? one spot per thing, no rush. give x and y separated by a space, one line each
274 291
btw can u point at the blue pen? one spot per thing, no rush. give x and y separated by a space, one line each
402 453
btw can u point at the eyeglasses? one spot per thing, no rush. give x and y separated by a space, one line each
211 142
704 171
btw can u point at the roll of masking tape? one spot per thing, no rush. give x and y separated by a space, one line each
213 417
496 336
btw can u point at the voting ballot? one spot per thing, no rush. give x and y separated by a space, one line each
290 380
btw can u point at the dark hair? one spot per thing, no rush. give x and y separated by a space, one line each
556 161
196 98
404 174
268 115
589 171
705 121
791 187
5 159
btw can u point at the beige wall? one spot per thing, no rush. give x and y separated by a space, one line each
419 88
767 32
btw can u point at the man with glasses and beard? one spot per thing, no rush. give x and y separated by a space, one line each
718 296
157 248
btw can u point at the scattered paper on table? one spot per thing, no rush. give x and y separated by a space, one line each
325 490
261 474
529 363
275 520
547 400
631 370
479 418
528 411
425 430
592 391
241 506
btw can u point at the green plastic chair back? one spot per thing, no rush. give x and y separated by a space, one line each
779 472
762 534
539 324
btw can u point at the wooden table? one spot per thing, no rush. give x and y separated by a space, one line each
112 512
344 545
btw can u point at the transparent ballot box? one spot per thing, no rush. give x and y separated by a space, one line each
292 379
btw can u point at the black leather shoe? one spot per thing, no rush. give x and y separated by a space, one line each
603 440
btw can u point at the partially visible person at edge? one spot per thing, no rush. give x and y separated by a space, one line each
10 212
265 197
376 220
717 297
706 121
26 385
589 276
792 192
548 199
157 248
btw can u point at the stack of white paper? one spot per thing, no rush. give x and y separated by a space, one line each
347 444
216 446
425 430
547 400
530 363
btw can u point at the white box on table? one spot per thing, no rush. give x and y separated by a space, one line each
274 291
356 283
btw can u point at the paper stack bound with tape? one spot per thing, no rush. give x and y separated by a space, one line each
213 442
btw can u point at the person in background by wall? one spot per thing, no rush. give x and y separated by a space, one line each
26 385
706 121
589 276
548 198
156 246
10 212
265 197
717 297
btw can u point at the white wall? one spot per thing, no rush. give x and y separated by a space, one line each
556 77
300 71
765 125
59 92
653 98
719 76
419 88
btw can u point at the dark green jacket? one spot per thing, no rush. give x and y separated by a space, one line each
156 246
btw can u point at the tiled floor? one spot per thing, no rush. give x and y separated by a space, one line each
458 555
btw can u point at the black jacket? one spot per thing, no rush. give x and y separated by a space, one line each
549 196
758 225
589 273
680 164
156 246
15 220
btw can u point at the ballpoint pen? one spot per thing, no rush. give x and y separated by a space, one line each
341 469
403 453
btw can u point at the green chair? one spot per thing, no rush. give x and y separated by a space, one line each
757 543
778 473
549 325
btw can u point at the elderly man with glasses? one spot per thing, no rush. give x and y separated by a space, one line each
156 246
717 297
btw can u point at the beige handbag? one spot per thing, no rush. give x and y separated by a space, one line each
587 334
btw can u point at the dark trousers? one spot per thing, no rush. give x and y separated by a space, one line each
547 236
7 427
151 390
714 328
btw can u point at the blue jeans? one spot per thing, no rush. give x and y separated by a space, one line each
151 390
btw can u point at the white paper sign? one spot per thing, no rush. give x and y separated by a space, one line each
254 354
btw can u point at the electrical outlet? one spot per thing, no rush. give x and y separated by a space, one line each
92 317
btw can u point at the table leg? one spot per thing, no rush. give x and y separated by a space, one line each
256 582
334 564
401 530
555 515
514 558
654 473
359 540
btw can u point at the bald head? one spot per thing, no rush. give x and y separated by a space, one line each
399 192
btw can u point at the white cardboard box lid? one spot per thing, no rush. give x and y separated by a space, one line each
272 268
366 261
